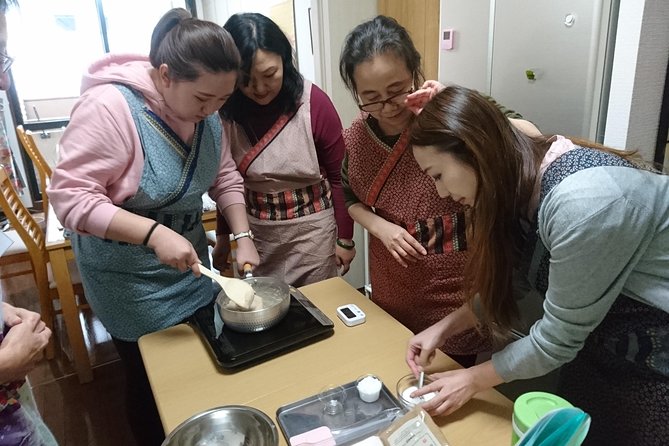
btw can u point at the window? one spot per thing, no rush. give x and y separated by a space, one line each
54 41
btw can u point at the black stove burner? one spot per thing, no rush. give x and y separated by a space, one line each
234 351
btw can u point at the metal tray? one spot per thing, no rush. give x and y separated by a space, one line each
357 421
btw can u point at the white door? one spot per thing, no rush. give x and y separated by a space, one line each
549 62
330 22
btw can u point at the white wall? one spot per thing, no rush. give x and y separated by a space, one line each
467 63
639 67
334 19
331 25
304 45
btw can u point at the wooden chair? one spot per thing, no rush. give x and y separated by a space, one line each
16 253
33 237
43 169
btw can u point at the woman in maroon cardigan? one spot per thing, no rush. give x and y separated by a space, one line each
286 139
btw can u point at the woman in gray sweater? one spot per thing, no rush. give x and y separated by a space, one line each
584 225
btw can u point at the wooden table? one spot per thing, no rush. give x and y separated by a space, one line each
185 380
60 252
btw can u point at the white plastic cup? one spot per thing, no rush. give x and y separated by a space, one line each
369 388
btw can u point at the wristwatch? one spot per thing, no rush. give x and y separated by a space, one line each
248 234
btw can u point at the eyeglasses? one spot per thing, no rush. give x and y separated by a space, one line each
396 99
5 62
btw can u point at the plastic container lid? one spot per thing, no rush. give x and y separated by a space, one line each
530 407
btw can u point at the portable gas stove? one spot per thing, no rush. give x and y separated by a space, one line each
232 351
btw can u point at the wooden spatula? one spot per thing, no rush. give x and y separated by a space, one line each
238 291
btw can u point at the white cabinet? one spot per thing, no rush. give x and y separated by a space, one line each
566 44
550 62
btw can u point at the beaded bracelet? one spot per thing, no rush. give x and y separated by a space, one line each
344 245
148 234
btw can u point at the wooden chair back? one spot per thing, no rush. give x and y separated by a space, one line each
33 237
43 169
35 240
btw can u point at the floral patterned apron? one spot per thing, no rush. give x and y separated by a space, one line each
389 180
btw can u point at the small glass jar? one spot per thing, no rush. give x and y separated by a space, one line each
406 386
333 398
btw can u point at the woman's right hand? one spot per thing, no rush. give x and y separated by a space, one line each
402 245
173 249
422 346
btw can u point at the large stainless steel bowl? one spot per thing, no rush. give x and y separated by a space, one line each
275 294
225 425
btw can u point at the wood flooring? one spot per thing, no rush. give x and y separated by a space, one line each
91 414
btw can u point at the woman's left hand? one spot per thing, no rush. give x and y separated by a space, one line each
246 253
344 258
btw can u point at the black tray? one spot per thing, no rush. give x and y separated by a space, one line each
357 421
233 351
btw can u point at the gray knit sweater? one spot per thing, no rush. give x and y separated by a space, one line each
607 231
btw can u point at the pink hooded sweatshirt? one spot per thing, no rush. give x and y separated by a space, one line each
100 156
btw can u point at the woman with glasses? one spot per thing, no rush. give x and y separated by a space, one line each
418 245
286 139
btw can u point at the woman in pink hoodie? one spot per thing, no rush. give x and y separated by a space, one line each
143 144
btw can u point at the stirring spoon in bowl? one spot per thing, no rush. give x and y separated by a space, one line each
238 291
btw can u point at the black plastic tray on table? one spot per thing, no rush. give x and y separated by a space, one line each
234 351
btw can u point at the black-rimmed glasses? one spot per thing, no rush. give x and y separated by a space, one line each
5 62
396 99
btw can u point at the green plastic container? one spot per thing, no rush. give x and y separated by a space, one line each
529 408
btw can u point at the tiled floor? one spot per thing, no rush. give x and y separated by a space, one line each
90 414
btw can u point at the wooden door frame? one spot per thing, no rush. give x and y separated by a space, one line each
421 19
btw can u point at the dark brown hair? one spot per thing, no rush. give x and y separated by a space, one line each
462 122
188 45
252 32
380 35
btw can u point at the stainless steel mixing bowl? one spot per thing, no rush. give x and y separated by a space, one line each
272 291
225 425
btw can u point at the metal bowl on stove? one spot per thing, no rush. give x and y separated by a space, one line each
225 425
274 296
